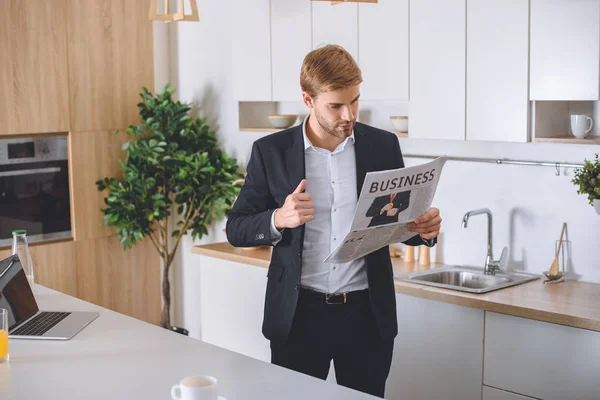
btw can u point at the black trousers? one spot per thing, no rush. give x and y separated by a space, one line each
345 333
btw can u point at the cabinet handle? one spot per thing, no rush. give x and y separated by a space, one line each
30 171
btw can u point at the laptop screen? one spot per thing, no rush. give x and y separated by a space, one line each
15 294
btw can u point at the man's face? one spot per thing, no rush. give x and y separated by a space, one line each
336 111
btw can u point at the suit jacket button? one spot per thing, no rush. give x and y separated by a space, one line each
296 287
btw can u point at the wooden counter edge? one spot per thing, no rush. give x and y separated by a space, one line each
260 258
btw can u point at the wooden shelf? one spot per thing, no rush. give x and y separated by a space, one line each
273 130
567 139
400 134
260 130
260 257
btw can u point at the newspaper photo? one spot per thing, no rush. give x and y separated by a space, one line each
388 202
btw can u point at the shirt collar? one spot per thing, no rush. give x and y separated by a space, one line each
308 144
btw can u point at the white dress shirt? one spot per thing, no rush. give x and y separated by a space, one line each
331 182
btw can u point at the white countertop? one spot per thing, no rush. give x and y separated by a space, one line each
118 357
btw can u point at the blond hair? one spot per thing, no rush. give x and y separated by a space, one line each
328 68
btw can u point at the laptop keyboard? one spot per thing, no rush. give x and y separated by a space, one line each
40 324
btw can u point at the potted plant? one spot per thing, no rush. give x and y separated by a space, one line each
588 180
173 169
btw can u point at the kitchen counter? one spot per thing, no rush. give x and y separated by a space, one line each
118 357
570 303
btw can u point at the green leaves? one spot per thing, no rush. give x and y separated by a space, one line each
588 179
172 159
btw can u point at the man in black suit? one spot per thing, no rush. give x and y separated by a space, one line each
299 196
385 209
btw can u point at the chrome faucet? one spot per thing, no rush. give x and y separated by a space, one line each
491 265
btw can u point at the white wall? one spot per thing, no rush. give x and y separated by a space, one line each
529 203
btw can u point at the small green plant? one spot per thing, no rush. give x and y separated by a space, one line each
588 179
172 164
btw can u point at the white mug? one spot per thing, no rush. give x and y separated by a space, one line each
579 124
201 387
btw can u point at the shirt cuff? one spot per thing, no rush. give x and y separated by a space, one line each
275 233
428 242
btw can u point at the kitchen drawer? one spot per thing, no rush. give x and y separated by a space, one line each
540 359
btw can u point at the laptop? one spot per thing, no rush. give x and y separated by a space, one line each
25 320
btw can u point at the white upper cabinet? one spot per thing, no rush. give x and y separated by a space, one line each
565 46
251 50
497 70
437 69
290 42
383 49
335 24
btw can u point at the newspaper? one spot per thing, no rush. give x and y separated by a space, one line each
388 202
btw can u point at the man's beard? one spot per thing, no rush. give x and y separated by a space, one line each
332 129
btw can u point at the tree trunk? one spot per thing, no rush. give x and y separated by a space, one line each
165 319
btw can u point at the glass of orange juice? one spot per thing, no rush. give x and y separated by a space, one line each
3 335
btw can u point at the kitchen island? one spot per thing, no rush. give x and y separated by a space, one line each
117 357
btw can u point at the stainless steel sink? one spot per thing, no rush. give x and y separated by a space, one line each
467 279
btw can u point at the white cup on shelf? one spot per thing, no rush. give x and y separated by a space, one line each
581 125
201 387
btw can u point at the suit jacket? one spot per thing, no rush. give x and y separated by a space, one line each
401 202
275 169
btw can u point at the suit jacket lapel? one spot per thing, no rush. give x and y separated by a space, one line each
294 161
294 158
361 154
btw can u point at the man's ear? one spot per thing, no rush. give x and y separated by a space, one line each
308 100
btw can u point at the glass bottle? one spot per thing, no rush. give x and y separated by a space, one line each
20 247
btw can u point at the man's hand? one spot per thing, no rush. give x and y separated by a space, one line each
392 212
428 224
297 210
386 208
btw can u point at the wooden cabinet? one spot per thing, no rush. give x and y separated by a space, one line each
93 156
33 67
539 359
335 25
54 265
5 73
437 69
383 33
565 50
497 394
290 42
124 281
438 351
251 55
110 59
497 70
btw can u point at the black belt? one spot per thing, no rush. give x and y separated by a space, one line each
334 298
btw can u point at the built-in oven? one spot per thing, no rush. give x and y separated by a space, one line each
34 188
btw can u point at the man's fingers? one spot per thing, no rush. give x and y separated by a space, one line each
306 211
301 186
302 196
422 227
430 214
300 205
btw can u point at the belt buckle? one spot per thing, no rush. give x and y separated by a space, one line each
328 296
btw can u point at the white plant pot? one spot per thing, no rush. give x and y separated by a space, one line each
597 205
